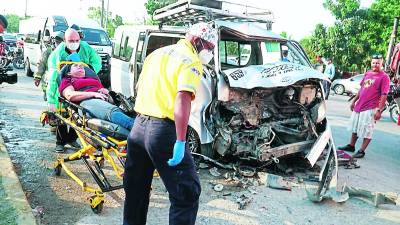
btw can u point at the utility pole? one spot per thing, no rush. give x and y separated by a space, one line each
26 8
107 12
102 13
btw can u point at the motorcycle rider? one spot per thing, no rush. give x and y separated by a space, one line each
40 75
3 46
3 23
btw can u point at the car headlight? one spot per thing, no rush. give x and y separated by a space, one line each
318 112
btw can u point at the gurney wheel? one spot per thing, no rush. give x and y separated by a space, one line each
57 170
98 208
96 200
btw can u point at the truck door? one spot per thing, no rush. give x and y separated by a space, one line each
122 77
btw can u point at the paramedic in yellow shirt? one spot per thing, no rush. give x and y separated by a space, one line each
166 87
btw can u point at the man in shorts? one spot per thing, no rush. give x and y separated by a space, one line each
367 106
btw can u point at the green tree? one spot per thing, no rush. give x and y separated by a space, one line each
380 22
13 23
153 5
356 35
112 24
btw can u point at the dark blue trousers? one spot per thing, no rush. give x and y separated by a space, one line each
150 145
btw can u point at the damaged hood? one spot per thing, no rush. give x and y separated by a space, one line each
271 75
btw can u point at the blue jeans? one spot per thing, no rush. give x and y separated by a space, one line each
103 110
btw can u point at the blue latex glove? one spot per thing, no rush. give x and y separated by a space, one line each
178 154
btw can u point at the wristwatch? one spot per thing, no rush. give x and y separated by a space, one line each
379 110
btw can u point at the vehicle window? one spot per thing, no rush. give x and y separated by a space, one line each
271 52
9 37
274 52
233 53
96 37
156 42
117 43
127 49
139 48
358 78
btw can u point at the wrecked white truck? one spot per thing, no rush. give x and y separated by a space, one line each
260 108
253 106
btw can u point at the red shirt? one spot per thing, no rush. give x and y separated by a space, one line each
87 84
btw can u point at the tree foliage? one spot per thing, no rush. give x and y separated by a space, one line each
112 23
13 23
153 5
356 34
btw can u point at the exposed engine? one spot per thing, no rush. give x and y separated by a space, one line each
255 124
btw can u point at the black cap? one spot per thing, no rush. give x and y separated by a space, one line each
75 27
3 21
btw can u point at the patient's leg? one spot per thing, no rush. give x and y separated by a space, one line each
118 117
103 110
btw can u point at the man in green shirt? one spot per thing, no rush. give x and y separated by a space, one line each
72 44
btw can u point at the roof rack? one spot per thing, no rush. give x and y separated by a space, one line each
192 11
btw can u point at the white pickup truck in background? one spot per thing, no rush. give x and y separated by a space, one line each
36 29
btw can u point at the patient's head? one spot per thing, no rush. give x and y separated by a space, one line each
77 70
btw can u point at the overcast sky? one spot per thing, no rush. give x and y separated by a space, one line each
297 17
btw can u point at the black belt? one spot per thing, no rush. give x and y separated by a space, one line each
155 118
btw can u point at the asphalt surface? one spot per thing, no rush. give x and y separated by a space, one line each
30 147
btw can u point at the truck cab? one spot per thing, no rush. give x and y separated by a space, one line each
251 105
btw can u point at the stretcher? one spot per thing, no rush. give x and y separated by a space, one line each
102 142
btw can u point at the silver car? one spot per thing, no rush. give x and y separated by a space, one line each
347 86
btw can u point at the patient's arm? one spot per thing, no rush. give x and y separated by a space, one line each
103 91
77 96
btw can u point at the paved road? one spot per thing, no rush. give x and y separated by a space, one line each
30 147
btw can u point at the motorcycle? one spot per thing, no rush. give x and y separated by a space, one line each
18 58
391 104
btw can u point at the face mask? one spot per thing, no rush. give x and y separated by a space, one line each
205 56
73 46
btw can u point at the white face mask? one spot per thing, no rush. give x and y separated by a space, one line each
73 46
205 56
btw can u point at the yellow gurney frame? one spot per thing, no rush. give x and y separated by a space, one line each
96 148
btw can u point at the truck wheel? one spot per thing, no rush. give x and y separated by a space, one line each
193 140
28 71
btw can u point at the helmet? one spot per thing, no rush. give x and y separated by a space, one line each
3 21
204 31
77 28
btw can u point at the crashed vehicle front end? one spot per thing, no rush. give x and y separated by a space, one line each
268 111
259 110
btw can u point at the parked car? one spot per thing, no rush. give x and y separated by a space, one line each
10 40
347 86
257 109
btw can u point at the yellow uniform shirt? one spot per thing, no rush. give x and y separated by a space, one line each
167 71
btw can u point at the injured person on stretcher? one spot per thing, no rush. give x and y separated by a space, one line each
80 85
